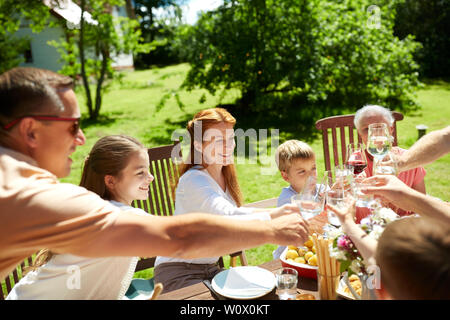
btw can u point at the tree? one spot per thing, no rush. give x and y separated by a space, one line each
96 45
11 14
159 30
429 22
303 55
145 12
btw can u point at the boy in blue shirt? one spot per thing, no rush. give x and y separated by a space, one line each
296 161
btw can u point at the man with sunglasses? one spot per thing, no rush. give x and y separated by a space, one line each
39 130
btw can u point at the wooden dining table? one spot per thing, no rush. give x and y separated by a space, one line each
199 291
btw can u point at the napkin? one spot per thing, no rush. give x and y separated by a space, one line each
248 280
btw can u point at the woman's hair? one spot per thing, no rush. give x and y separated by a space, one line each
371 110
197 127
109 156
414 259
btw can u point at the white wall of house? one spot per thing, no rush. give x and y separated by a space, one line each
122 60
46 56
43 55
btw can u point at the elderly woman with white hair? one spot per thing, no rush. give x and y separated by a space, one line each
369 114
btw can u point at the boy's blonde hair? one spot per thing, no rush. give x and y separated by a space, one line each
292 150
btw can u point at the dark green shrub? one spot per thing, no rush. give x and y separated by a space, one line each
429 22
296 56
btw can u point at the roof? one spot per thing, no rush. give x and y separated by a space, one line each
69 11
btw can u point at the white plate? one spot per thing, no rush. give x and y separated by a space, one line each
244 283
340 291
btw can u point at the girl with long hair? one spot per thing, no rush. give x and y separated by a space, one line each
208 183
117 170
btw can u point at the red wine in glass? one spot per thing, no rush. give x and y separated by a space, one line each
356 167
355 159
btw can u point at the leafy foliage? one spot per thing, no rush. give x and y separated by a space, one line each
91 48
11 13
304 57
429 22
160 30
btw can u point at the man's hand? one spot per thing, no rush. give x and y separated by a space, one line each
389 188
290 229
284 210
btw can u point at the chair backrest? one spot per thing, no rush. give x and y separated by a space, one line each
8 283
341 137
160 198
160 201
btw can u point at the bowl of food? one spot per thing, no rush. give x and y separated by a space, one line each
303 259
344 291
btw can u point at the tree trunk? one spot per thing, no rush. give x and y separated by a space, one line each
261 12
84 76
98 97
152 32
130 10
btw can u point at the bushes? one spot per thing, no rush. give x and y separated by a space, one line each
429 22
319 55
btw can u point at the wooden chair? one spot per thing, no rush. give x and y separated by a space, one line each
263 204
160 201
9 282
337 124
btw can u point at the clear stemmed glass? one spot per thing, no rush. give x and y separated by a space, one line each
386 165
379 140
338 190
335 197
311 200
365 204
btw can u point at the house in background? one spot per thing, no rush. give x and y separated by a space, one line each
42 55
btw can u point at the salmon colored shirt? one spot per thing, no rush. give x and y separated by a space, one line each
37 212
409 177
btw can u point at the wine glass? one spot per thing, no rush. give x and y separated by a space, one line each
338 190
340 199
355 159
379 140
311 200
365 203
335 197
386 165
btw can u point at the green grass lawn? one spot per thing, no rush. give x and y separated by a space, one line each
131 108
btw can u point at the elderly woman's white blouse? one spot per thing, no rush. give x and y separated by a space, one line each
197 191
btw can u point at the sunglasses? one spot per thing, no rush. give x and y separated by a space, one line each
74 129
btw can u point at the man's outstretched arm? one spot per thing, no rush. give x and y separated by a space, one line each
428 149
